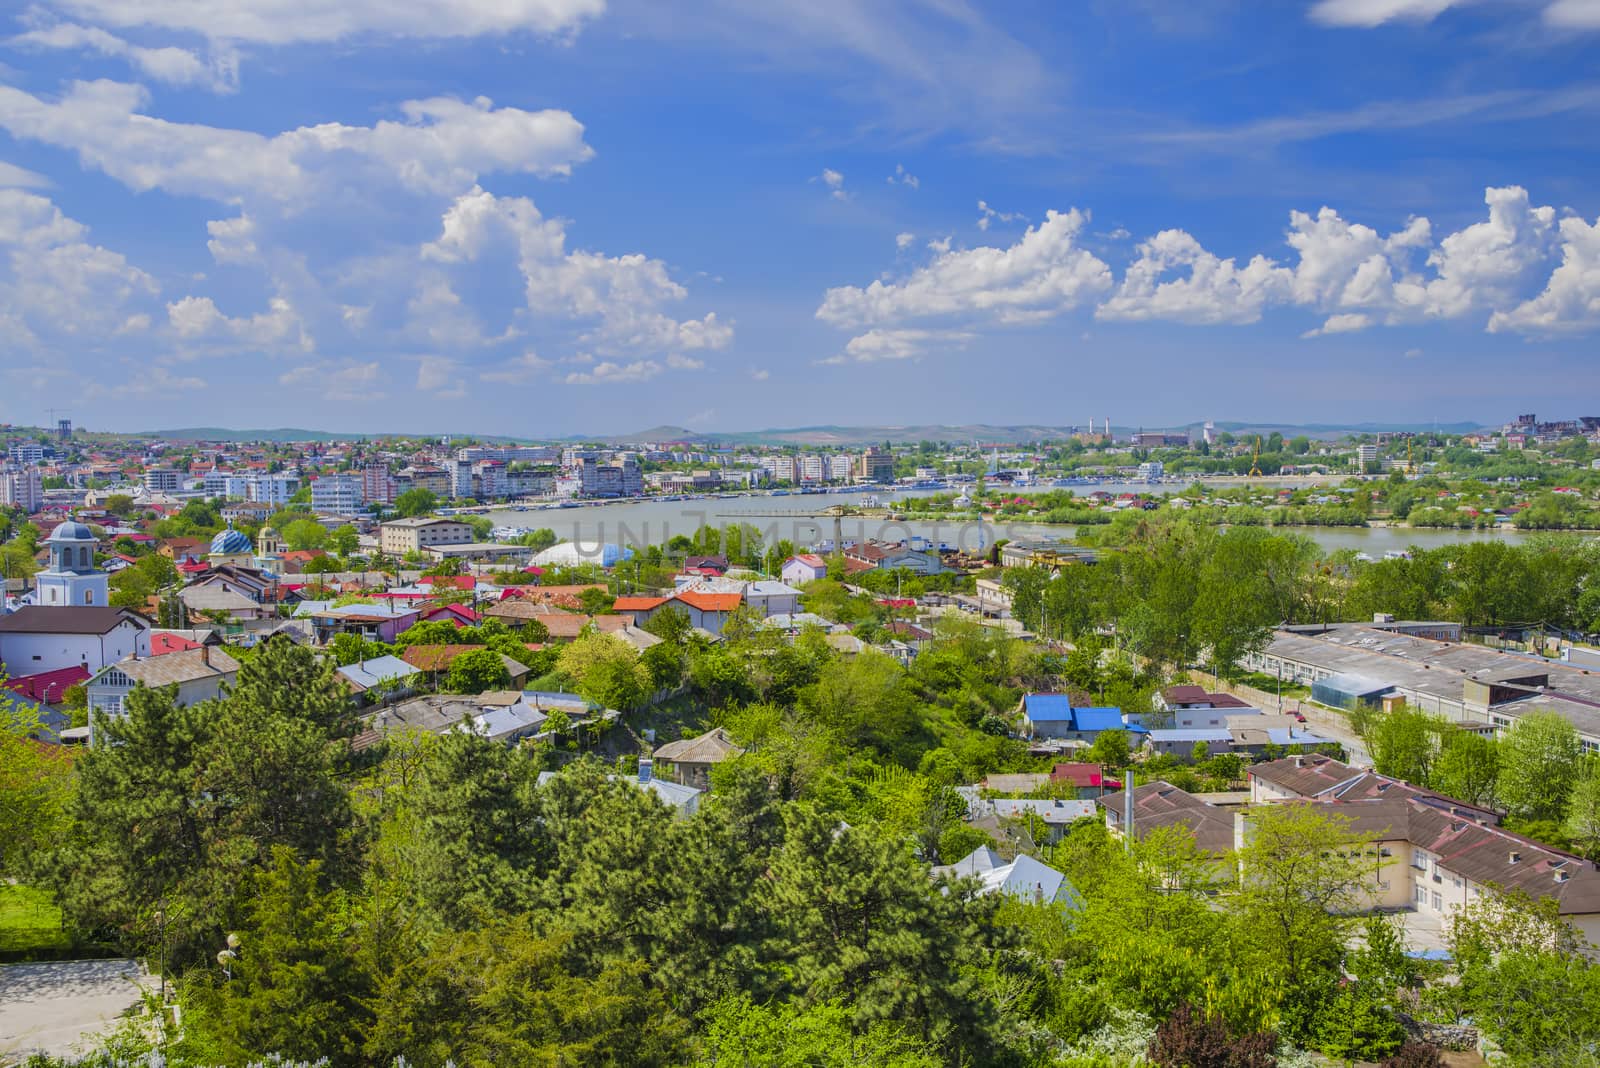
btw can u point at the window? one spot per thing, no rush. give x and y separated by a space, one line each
1438 902
88 597
1421 896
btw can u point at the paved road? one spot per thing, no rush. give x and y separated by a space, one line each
57 1006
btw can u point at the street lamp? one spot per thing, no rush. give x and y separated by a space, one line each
227 955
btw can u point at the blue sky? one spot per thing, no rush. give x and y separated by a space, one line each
544 217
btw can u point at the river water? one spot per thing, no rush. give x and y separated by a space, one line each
650 522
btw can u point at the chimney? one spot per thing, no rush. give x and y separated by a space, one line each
205 654
1514 857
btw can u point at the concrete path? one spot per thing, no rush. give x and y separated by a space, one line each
60 1006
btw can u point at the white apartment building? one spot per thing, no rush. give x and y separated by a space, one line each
840 467
400 536
1366 454
163 480
224 484
27 452
271 489
22 487
339 494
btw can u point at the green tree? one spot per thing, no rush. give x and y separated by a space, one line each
1112 749
36 784
505 994
1467 767
1539 757
416 502
1583 810
295 989
303 534
344 540
1404 743
477 671
607 670
860 920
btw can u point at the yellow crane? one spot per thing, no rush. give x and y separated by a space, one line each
1255 459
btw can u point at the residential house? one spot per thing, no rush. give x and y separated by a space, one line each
1024 878
384 677
436 660
379 622
199 674
709 611
705 566
1052 715
1055 815
806 567
1161 804
561 625
890 555
683 800
1088 780
39 638
768 598
1180 742
691 759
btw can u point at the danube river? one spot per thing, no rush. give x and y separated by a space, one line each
649 522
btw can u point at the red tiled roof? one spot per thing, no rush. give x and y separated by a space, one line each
1078 774
162 644
638 604
710 602
48 687
463 614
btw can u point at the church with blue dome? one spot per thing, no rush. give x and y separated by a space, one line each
231 546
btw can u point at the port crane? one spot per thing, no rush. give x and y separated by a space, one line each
1255 459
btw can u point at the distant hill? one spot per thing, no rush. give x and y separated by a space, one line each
282 434
837 436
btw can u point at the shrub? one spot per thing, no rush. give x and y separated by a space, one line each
1191 1039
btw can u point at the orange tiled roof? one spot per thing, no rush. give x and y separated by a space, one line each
710 602
638 604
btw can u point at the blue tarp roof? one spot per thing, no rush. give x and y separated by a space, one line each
1101 719
1048 707
1057 708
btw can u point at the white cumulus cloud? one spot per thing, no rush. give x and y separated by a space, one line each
174 66
440 146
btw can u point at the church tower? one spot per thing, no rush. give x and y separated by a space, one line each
72 578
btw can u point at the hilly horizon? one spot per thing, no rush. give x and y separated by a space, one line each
818 435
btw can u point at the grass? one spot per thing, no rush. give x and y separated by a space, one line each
30 924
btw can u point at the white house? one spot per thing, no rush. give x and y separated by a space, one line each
199 674
770 598
39 638
807 567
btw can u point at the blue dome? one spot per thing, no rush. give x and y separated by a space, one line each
71 532
229 542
